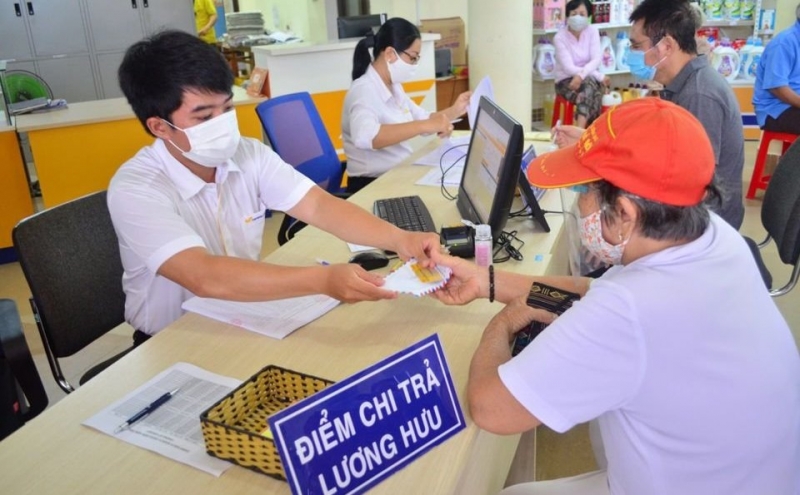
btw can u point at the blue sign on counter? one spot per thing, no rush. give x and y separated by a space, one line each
355 433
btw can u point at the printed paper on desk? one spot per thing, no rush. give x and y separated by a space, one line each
451 177
450 151
484 88
173 430
405 281
275 319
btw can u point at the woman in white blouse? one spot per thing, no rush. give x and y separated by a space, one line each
578 58
378 117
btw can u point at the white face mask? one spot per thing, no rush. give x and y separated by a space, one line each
401 71
212 142
577 22
592 239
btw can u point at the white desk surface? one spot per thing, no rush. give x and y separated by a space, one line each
97 111
55 454
279 50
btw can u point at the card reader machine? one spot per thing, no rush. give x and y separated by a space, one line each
459 240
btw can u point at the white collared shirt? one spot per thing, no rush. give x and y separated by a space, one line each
368 105
159 208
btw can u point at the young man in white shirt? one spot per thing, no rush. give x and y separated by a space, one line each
189 209
678 350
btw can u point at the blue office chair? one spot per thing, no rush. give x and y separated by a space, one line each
296 133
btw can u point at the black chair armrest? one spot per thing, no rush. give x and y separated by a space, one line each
765 275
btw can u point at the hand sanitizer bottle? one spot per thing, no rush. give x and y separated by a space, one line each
483 245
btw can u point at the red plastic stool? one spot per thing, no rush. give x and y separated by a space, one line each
569 111
759 180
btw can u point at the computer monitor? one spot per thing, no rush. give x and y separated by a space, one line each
358 26
531 195
491 170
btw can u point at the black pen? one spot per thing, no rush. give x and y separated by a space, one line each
147 410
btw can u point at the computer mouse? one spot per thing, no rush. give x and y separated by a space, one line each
370 260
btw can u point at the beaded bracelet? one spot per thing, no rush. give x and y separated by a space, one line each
491 283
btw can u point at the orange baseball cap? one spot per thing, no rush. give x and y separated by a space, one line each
649 147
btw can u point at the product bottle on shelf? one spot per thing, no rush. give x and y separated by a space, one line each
747 9
725 60
713 10
744 57
753 59
623 47
611 99
608 61
731 9
545 58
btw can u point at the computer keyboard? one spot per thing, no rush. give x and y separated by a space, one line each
407 212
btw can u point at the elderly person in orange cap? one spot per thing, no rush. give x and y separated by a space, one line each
678 350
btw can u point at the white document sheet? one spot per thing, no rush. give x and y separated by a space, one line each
172 430
275 319
452 177
357 248
450 151
484 88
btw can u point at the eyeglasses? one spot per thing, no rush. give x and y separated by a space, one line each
414 59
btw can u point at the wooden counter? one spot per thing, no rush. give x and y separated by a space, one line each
14 187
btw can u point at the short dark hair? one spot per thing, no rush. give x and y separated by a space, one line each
574 4
156 71
661 221
397 33
676 18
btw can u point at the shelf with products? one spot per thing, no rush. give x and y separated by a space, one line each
600 27
730 23
539 78
610 16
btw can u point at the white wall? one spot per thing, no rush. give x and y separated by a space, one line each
428 9
784 13
504 50
304 18
307 18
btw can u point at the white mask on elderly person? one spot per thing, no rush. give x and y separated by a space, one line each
212 142
591 229
401 71
577 22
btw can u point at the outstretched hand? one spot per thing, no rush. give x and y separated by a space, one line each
349 283
467 282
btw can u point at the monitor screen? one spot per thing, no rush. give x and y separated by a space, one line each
358 26
531 195
491 171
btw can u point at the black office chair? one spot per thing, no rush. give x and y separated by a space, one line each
780 214
70 257
296 133
22 395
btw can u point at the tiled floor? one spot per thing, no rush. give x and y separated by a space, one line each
559 455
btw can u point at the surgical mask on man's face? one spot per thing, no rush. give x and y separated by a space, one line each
577 22
401 71
591 228
638 67
212 142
